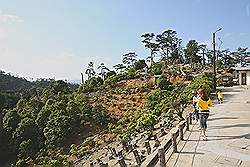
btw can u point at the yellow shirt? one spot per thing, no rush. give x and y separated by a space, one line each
220 95
203 105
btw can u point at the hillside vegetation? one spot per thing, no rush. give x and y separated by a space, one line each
53 123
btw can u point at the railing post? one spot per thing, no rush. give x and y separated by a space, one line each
190 118
137 157
181 127
173 136
187 123
163 132
91 164
121 162
113 152
148 148
161 154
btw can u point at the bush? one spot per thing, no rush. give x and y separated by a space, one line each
91 84
111 81
131 74
164 84
146 120
156 69
140 64
110 73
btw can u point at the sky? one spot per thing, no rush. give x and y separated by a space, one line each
57 38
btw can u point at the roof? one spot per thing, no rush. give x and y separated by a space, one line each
241 68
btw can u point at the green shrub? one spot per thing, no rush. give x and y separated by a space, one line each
111 81
91 84
140 64
156 69
146 120
131 73
164 84
109 74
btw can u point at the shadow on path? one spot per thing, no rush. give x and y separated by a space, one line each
229 126
230 89
220 118
221 137
191 153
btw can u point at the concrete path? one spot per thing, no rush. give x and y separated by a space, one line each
228 143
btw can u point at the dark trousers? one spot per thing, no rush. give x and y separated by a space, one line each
203 119
220 100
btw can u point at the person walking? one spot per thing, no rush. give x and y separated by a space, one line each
203 104
220 97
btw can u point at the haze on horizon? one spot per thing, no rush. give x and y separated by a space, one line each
57 39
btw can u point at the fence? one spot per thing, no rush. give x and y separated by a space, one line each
168 144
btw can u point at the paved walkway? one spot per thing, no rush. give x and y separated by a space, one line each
228 143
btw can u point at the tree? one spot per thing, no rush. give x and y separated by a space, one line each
150 44
209 56
11 120
191 52
90 70
27 132
129 58
140 64
119 67
103 70
240 56
227 59
203 49
176 56
110 73
168 44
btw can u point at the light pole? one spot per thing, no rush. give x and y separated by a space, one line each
214 78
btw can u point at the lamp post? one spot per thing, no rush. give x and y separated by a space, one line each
214 78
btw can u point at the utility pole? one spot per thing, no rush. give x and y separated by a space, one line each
82 78
214 59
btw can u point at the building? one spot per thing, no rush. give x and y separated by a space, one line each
243 75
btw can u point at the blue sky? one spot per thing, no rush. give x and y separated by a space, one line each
56 39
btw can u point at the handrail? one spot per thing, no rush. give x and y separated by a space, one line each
169 140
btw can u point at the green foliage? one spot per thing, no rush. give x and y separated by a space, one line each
8 100
206 80
11 120
99 115
240 56
90 70
129 59
156 69
148 85
110 73
146 120
156 102
26 149
10 83
191 52
219 64
46 121
131 74
111 80
140 64
164 84
92 84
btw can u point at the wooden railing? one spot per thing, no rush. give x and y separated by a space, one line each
170 141
168 145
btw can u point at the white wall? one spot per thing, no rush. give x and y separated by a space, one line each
248 77
240 80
